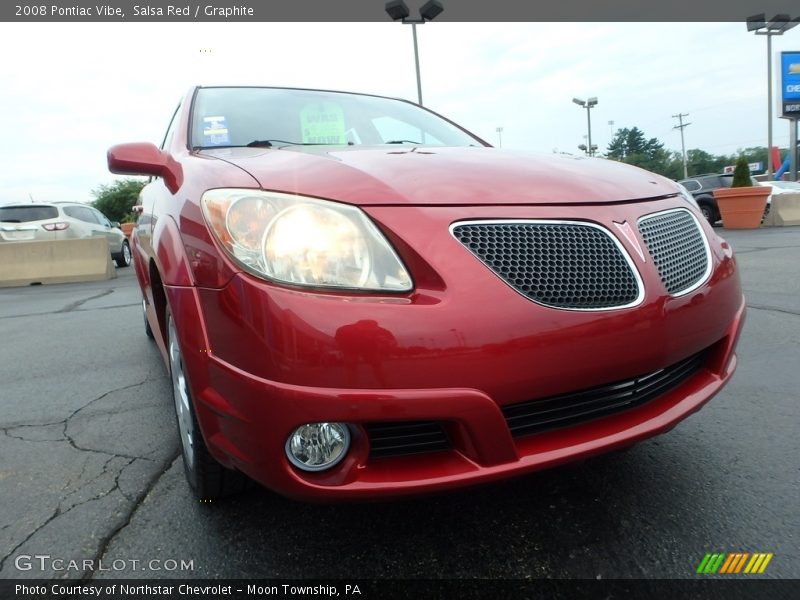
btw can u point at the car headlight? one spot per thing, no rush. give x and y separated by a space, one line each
303 241
687 196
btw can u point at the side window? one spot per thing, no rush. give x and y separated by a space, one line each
101 218
80 213
692 185
173 125
83 213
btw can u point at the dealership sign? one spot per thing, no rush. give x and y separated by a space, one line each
790 84
755 167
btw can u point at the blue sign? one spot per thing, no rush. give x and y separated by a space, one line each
790 84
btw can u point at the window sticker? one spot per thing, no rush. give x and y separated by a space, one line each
215 131
323 123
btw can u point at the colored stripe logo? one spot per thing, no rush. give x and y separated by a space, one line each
734 562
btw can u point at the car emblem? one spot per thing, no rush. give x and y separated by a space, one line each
626 230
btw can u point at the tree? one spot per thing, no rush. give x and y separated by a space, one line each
116 200
630 146
701 162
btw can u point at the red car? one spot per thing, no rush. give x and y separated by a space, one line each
357 298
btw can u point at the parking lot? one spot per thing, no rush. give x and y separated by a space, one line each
89 469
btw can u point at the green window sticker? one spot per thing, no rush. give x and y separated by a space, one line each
323 123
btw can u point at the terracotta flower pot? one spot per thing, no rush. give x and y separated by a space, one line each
127 228
742 207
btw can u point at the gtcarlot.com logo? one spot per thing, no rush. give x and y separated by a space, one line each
45 562
731 563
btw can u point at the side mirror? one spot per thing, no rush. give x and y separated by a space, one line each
144 158
115 224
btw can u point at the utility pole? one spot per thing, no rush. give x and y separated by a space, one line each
680 126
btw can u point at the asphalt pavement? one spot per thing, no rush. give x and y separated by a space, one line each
88 467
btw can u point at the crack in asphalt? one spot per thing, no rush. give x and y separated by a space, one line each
60 511
28 537
42 314
767 308
112 456
73 305
106 541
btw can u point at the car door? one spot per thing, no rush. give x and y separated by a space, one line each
113 234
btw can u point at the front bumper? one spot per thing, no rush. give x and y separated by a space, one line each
264 360
246 421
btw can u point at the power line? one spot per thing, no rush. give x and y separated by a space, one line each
681 126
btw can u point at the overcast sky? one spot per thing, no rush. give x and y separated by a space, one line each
71 90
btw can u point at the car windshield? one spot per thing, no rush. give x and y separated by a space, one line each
271 117
25 213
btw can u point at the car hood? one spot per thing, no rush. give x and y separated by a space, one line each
443 175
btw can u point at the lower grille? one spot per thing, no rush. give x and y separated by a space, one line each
405 437
572 265
535 416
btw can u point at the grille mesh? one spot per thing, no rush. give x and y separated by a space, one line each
563 265
677 247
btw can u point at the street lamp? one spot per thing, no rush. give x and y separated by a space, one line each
398 11
776 26
588 104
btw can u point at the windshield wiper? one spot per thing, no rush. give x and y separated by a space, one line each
270 143
403 142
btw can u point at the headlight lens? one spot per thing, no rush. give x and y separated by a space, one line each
303 241
687 196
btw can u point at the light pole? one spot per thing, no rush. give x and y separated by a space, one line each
499 137
588 104
776 26
398 10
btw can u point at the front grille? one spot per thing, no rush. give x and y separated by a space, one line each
405 437
562 265
678 248
535 416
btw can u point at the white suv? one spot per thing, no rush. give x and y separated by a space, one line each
59 221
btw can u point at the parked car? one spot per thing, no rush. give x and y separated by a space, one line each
62 221
702 187
355 297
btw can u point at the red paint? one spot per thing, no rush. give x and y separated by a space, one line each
264 358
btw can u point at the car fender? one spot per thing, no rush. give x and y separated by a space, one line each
170 254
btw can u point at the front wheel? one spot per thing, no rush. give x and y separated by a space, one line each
207 478
124 257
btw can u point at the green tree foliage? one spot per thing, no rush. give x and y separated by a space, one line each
116 199
741 174
700 161
630 146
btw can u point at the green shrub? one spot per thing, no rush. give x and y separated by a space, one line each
741 174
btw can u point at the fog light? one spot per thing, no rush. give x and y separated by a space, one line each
318 446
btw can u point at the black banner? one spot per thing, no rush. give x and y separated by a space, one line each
131 589
374 10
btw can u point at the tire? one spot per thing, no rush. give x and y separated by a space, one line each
709 212
207 478
123 259
147 329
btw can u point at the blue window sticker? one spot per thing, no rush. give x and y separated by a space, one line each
215 131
